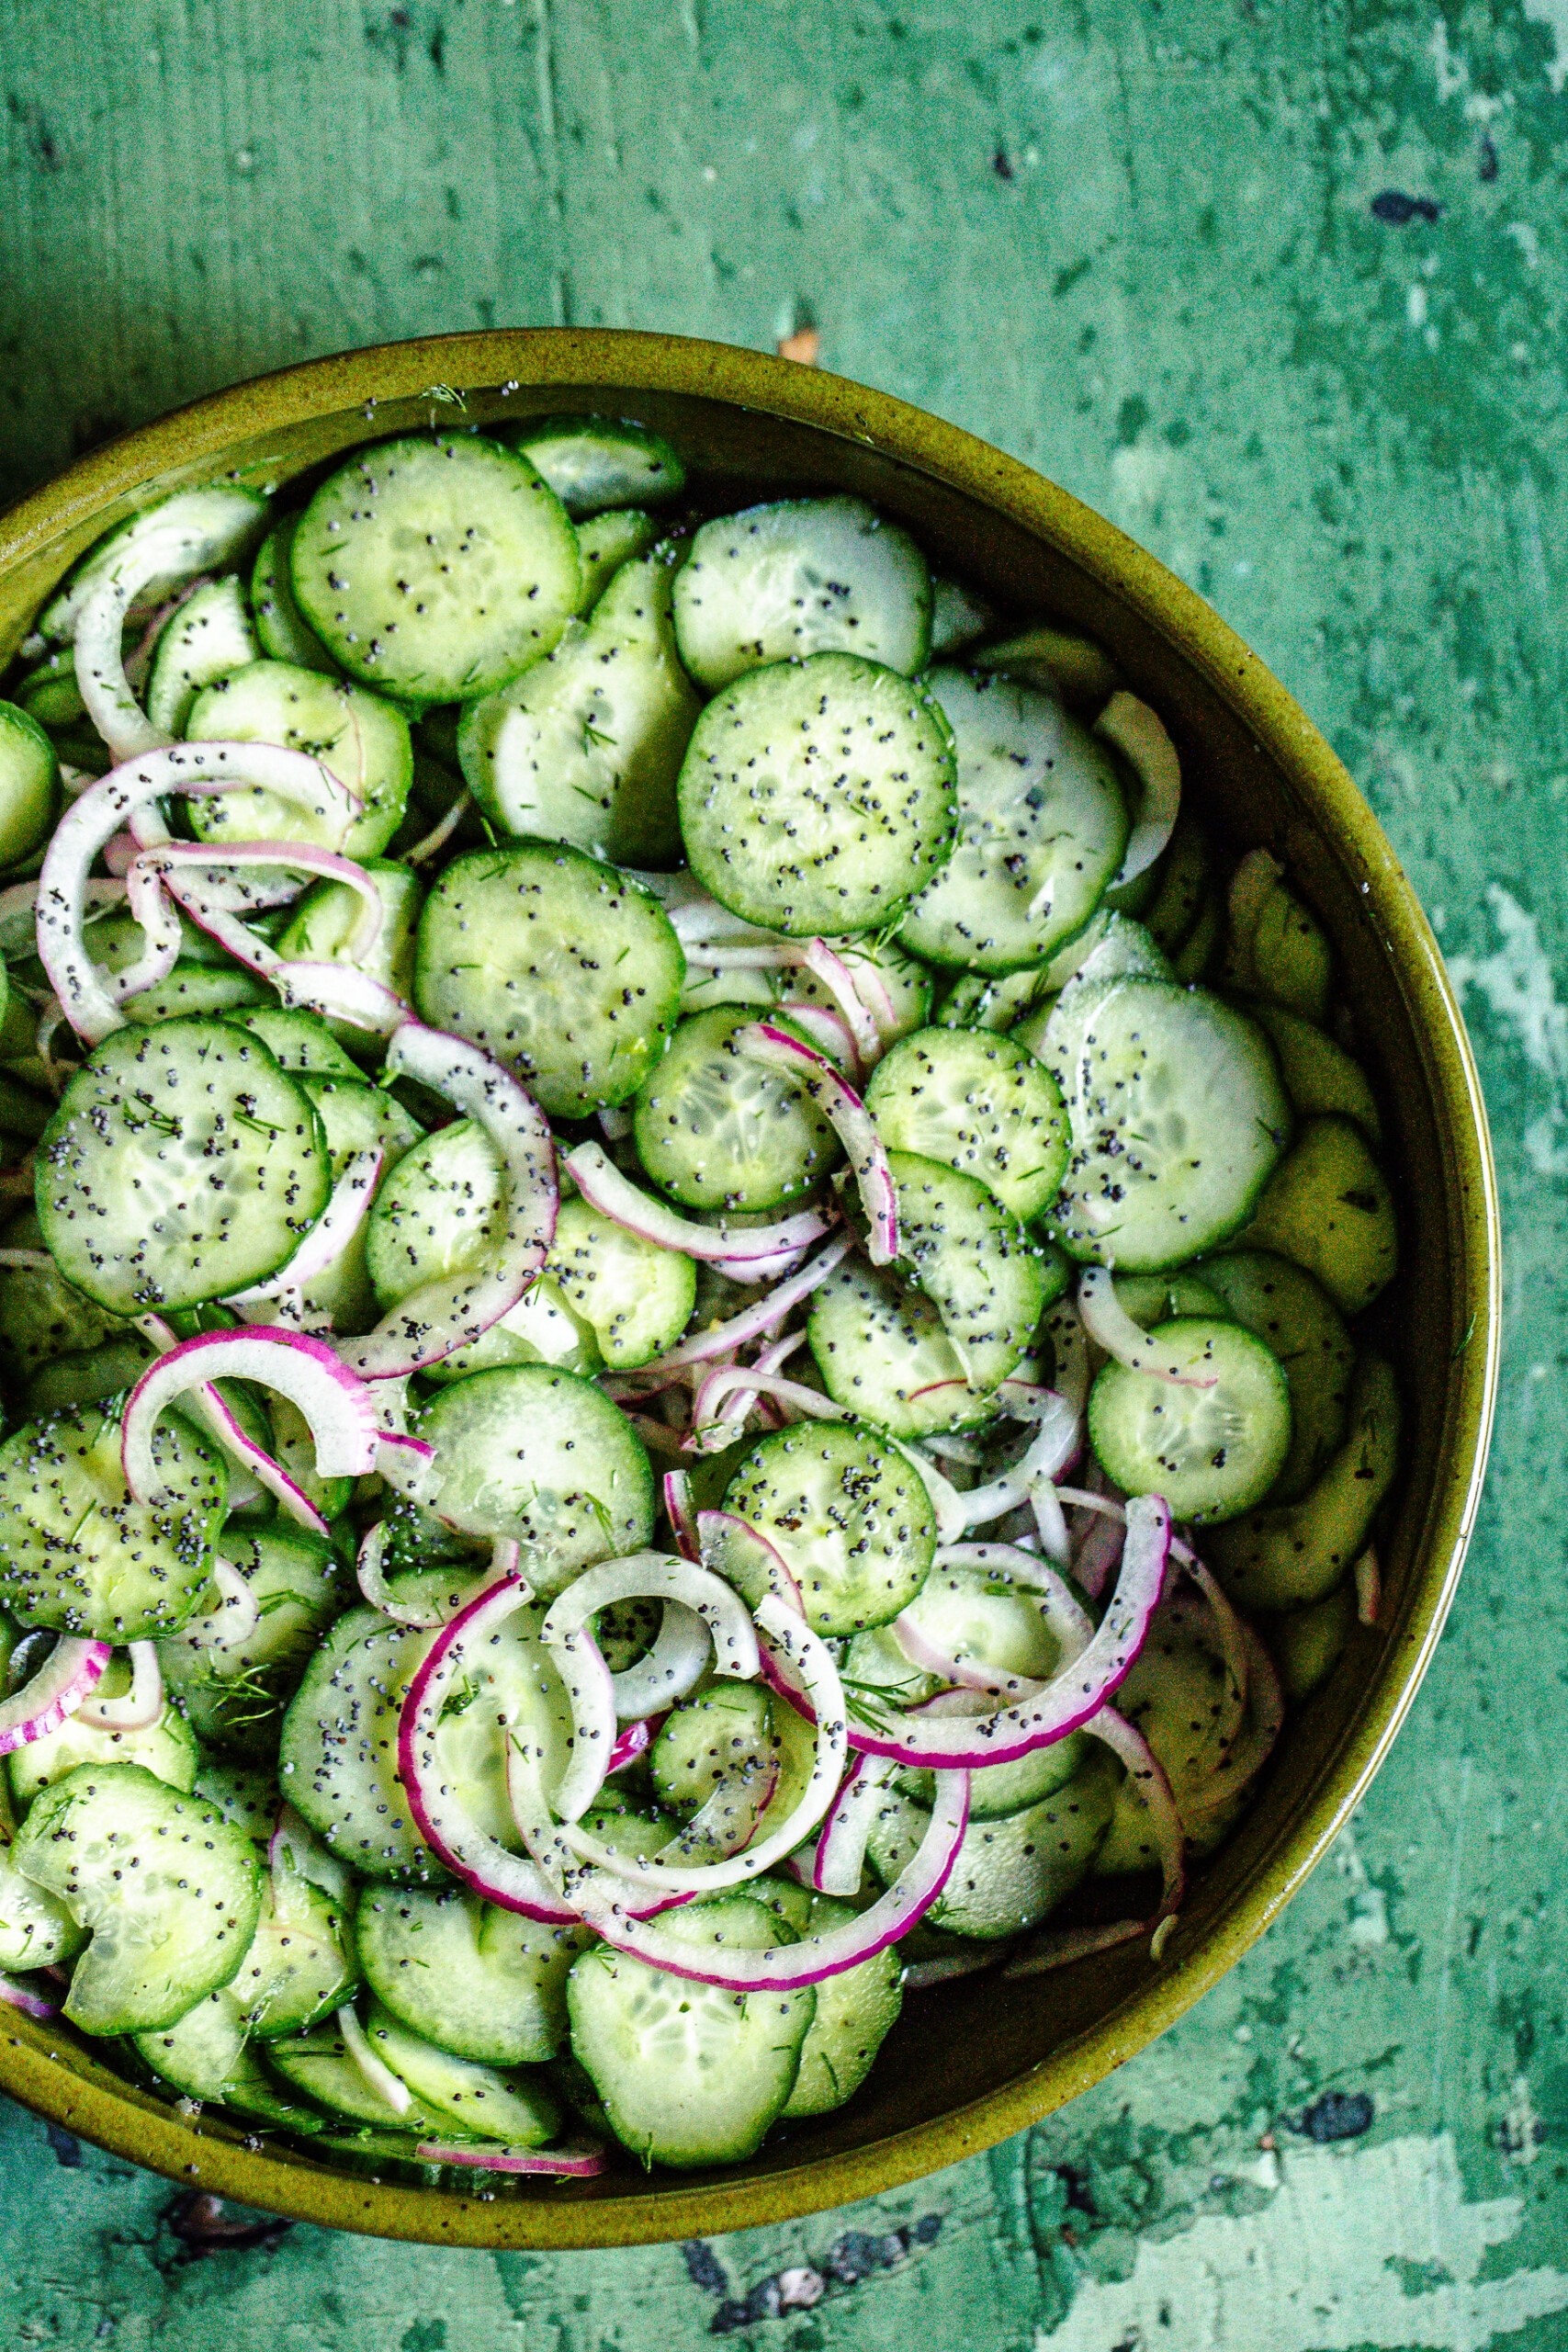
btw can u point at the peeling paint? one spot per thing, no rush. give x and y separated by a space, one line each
1519 986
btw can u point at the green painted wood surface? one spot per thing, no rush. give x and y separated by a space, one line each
1135 242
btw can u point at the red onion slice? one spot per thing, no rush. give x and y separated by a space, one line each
331 1234
812 1662
590 1694
828 1032
141 1704
921 1974
615 1196
1074 1694
948 1506
722 1338
655 1576
334 1404
742 1401
151 906
1141 737
508 1880
53 1694
839 1860
851 1122
260 1473
712 1431
680 1509
131 791
444 1315
1111 1327
786 1968
633 1741
1145 1771
724 1825
408 1466
430 843
669 1671
22 1996
338 992
578 2162
1053 1444
1369 1588
371 1578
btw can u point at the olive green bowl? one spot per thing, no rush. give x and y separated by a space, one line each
972 2062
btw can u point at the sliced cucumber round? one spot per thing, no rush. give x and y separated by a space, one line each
817 795
77 1555
181 1165
690 2073
206 2055
1303 1329
1211 1451
980 1104
1329 1207
1043 828
209 637
479 1982
810 575
1009 1873
234 1688
169 1892
591 462
29 784
165 1748
35 1929
359 737
556 965
883 1351
1178 1119
536 1453
974 1261
436 568
850 1517
716 1129
637 1297
483 2100
281 627
856 2009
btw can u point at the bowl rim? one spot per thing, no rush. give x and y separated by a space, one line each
578 360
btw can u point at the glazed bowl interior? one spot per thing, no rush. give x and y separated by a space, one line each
971 2061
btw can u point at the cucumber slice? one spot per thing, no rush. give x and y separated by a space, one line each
170 1894
717 1129
884 1353
42 1316
209 636
299 1042
1061 661
339 1752
1009 1873
972 1261
536 1453
556 965
621 534
300 1965
856 2010
436 568
1300 1324
489 2104
1212 1453
689 2074
591 462
1043 828
852 1519
1329 1206
281 627
1154 1298
232 1688
77 1555
481 1983
181 1165
1307 1643
1284 955
1185 872
200 988
166 1749
816 796
1288 1557
979 1104
637 1297
1178 1119
724 1740
35 1929
1318 1074
48 692
206 2055
190 531
360 737
355 1117
30 785
808 576
586 745
322 2068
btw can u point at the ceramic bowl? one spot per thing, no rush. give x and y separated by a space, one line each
973 2062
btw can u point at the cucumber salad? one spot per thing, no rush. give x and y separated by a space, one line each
686 1306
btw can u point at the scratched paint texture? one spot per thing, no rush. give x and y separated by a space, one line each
1278 285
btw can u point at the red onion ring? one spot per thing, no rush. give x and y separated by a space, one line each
265 1474
575 2162
723 1338
334 1402
605 1188
1111 1327
331 1234
371 1578
143 1704
20 1997
655 1576
680 1511
712 1431
53 1694
1369 1588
